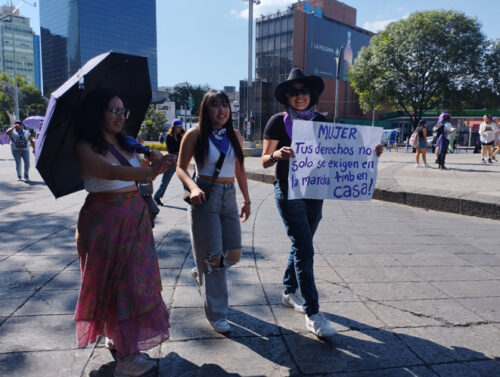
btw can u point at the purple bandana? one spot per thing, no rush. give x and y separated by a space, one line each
291 115
220 140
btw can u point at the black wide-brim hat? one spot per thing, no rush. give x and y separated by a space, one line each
313 83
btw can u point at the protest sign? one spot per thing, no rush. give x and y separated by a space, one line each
333 161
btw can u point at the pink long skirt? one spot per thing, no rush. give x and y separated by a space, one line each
120 295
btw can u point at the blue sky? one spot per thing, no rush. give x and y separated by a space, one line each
206 42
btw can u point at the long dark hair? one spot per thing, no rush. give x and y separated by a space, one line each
205 127
171 132
91 120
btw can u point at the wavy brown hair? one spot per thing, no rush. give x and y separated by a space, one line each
205 127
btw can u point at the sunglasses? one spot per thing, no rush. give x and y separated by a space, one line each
119 111
294 92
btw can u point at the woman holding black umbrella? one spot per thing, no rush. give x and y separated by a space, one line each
120 294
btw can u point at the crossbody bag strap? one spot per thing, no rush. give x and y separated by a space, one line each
218 167
118 155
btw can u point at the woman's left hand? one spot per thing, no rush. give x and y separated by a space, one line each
245 212
379 149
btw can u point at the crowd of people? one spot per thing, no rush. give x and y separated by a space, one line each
120 294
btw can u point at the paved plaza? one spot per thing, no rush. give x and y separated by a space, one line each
412 291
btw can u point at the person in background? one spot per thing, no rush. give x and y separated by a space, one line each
443 140
213 212
393 140
173 140
120 293
487 137
20 141
421 148
496 120
299 94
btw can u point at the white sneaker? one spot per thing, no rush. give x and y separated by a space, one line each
293 301
134 366
319 326
221 326
109 343
194 275
417 166
427 166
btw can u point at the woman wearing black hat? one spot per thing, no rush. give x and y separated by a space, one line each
299 93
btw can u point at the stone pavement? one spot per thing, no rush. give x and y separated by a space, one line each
412 291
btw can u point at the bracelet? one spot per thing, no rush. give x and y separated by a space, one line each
247 202
271 157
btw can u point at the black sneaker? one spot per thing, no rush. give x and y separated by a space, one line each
489 160
158 201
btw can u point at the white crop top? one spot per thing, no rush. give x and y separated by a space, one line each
208 167
94 184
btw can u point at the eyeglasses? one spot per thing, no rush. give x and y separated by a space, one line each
119 111
294 92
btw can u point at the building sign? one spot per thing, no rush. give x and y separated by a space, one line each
323 41
333 161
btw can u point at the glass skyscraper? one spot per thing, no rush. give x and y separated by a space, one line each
16 45
74 31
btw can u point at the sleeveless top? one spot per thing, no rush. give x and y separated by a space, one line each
208 167
94 184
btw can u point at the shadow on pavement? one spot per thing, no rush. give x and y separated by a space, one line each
185 368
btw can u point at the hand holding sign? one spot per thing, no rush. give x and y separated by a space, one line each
333 161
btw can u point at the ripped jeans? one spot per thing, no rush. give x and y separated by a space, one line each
215 229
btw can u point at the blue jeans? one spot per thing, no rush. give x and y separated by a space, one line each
165 180
443 149
301 218
25 155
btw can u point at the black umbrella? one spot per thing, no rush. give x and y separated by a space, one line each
126 74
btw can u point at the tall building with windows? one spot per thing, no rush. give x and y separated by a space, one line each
309 35
16 45
74 31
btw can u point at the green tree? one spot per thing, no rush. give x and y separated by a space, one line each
31 101
180 95
426 61
153 124
6 98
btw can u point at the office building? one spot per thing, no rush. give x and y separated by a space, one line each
16 45
37 61
74 31
308 34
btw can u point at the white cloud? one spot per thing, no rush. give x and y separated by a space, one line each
265 7
233 12
376 26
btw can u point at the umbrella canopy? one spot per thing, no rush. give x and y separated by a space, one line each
126 74
4 138
34 122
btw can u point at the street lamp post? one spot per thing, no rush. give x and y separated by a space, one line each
250 50
338 59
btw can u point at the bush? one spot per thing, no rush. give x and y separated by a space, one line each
157 146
